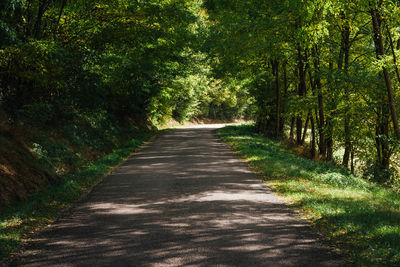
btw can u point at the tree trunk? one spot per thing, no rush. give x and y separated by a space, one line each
328 129
312 137
285 96
275 68
299 130
291 133
382 146
380 52
28 17
347 143
37 31
321 115
393 53
63 4
301 92
352 161
305 128
345 47
329 147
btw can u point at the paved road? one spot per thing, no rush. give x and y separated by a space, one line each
184 200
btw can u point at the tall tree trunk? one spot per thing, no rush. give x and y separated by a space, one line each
306 128
301 92
380 52
328 129
299 129
347 141
382 146
345 47
312 137
321 114
37 31
291 133
352 160
285 96
393 53
315 110
329 142
275 68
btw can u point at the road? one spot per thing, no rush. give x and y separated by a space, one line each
184 200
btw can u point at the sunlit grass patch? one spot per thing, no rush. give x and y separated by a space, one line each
362 219
23 218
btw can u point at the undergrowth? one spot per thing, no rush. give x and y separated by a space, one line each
22 218
362 219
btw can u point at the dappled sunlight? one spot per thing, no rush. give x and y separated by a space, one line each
113 208
183 200
207 126
361 217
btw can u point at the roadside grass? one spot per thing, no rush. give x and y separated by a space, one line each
361 219
23 218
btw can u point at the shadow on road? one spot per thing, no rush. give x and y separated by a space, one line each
183 200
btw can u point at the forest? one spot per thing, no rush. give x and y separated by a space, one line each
322 73
79 78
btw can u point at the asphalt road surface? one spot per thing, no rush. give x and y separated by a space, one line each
183 200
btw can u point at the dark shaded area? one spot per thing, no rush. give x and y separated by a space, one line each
183 200
20 171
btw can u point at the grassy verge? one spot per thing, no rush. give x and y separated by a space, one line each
23 218
362 219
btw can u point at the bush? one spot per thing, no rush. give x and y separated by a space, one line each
373 171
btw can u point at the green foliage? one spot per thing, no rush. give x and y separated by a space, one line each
310 70
316 64
360 217
131 59
375 172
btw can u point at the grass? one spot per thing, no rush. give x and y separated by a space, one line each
360 218
23 218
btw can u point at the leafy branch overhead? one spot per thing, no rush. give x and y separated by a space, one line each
326 70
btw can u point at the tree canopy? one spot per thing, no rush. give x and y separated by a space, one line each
326 70
323 73
140 59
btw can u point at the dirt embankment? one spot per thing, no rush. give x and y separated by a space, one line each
20 174
33 157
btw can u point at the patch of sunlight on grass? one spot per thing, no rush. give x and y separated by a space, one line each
12 222
362 219
388 230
